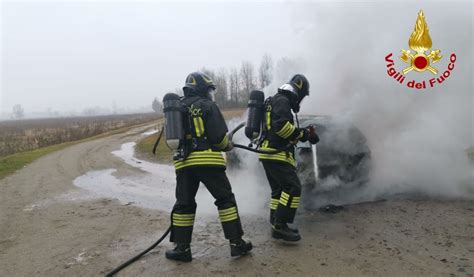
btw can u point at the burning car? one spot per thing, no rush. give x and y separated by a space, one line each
339 164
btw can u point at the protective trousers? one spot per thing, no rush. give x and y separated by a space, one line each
184 210
286 191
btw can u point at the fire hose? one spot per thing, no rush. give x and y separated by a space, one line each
231 134
137 257
255 150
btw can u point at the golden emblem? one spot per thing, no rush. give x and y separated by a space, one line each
420 42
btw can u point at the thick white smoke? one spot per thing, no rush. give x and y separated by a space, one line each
418 138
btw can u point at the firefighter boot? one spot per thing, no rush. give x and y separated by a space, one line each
182 252
272 222
282 231
293 229
239 247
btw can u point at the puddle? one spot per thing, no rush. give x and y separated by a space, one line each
154 188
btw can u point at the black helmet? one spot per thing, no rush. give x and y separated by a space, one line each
296 89
198 83
301 85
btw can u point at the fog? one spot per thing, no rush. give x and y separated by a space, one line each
72 55
67 56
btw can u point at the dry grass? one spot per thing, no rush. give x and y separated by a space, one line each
26 135
11 163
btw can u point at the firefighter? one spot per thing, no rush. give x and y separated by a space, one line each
281 132
206 136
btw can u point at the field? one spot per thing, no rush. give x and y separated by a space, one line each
23 141
24 135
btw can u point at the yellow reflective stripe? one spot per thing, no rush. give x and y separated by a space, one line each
198 126
223 144
273 203
201 124
295 202
228 214
278 157
207 160
292 163
284 202
281 156
229 217
206 157
183 224
227 211
183 165
286 130
284 198
183 220
205 153
183 216
268 121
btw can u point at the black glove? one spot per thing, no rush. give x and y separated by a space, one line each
304 134
313 138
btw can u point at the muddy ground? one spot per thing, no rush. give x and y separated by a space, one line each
49 227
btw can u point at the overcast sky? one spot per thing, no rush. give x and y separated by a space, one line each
72 55
67 56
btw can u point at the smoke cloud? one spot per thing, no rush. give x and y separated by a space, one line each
418 138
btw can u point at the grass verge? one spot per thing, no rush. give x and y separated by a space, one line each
10 164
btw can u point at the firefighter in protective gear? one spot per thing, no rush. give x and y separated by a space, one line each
280 132
206 136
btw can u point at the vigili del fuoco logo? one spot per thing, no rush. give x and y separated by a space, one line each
420 59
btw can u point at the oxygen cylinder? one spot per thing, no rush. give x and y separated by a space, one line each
174 130
255 111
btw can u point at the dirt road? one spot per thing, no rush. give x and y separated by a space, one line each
50 227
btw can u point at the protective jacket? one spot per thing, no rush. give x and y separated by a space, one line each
279 130
206 134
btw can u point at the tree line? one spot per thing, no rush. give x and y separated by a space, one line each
234 85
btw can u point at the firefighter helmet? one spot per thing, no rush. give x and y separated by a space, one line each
296 89
198 83
301 85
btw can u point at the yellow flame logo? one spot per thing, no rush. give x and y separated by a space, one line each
420 39
420 42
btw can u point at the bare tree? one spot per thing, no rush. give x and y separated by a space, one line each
220 79
18 111
157 106
265 71
247 79
234 86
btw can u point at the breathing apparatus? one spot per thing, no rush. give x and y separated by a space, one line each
176 127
